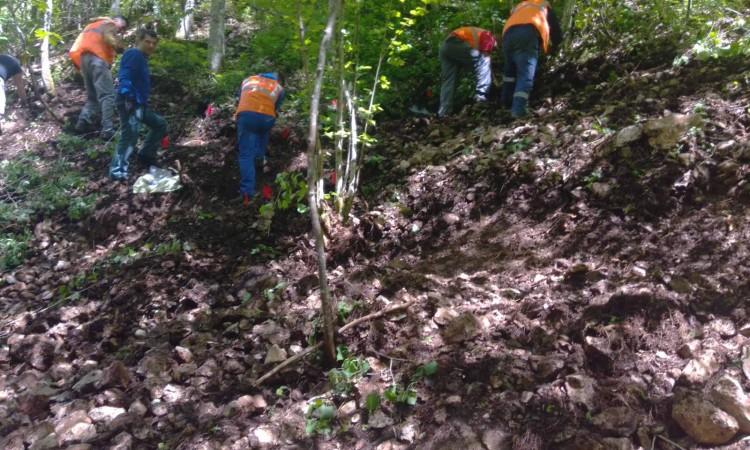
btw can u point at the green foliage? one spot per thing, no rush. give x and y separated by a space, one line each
71 144
345 308
172 247
372 402
396 394
81 207
13 249
292 192
352 369
728 38
318 417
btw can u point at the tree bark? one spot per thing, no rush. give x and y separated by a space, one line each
49 83
186 23
314 156
115 8
216 35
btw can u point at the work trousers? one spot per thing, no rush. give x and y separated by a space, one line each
253 132
100 94
521 52
455 56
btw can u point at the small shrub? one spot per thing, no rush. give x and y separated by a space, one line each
13 250
82 207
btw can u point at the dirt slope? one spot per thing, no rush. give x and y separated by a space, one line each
554 278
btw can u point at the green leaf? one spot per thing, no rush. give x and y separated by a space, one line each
326 412
372 401
430 368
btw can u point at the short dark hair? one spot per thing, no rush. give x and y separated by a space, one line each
122 18
146 31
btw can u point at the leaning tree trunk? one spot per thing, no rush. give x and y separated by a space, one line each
49 83
216 35
186 23
314 156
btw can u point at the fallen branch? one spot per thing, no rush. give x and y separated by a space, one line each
291 360
668 441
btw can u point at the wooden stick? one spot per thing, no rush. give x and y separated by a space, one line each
372 316
289 361
670 442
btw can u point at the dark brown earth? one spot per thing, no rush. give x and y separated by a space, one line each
577 270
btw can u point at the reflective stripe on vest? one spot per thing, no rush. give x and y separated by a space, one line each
91 40
259 95
470 35
531 12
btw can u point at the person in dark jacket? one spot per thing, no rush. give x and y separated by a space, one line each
10 70
133 108
532 26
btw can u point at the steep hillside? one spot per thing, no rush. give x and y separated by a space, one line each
576 277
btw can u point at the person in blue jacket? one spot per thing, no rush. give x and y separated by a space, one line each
132 104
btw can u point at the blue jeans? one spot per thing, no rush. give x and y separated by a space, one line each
129 125
521 51
253 131
456 55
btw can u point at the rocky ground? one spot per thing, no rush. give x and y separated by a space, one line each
579 278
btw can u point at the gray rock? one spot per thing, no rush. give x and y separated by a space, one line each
275 354
462 328
689 350
123 441
137 408
703 421
700 369
628 134
581 389
617 444
184 354
728 395
497 439
272 332
174 394
723 327
618 421
664 133
105 414
89 382
379 420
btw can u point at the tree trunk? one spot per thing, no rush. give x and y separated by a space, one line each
49 83
216 35
314 156
186 23
115 9
302 47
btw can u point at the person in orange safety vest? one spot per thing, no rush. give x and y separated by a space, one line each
260 99
93 53
532 26
465 48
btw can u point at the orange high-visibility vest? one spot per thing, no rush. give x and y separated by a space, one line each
259 94
91 40
531 12
470 35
